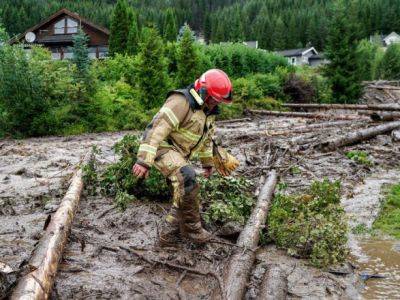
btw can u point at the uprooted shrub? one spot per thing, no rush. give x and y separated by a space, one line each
311 225
224 198
298 89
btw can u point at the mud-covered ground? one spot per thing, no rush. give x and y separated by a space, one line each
114 255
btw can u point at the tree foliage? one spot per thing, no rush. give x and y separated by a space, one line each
187 59
151 69
276 24
389 66
120 26
341 51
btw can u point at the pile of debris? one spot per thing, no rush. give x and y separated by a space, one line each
381 92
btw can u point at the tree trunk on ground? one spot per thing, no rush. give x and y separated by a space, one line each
357 136
302 115
383 116
242 259
297 129
233 121
382 107
274 285
43 265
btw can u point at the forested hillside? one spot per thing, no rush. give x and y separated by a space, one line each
276 24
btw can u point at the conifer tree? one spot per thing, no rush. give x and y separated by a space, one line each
170 27
207 28
120 26
340 50
389 66
132 46
187 59
366 53
81 54
151 69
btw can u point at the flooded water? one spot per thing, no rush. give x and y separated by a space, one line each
374 256
383 258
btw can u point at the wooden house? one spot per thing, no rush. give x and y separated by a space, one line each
57 31
304 56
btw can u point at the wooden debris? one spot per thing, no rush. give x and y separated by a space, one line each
381 107
43 265
384 116
233 121
291 114
357 136
274 285
243 257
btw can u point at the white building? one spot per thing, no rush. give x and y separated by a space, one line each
304 56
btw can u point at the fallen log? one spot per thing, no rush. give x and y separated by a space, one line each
42 266
233 121
357 136
382 107
243 257
297 129
291 114
274 285
383 116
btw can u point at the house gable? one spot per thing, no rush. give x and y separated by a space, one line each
60 27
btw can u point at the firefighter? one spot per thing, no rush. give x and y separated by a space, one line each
184 126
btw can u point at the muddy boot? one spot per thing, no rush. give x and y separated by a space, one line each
169 235
190 222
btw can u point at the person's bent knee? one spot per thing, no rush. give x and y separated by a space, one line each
189 179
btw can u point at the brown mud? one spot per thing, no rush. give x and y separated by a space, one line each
114 254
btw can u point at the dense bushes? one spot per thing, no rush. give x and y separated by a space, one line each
311 225
40 96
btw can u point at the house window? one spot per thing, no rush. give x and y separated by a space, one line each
293 62
59 27
66 26
72 26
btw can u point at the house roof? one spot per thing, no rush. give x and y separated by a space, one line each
296 52
63 11
394 34
317 56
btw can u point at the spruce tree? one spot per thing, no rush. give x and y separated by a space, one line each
151 69
120 26
342 71
81 54
389 66
170 27
187 59
366 53
207 28
132 46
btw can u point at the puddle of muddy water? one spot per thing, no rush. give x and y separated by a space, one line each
374 256
383 259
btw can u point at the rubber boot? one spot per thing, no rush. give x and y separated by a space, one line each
169 235
190 221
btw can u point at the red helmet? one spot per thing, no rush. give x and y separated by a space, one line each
216 84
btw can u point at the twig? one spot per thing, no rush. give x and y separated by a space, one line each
178 282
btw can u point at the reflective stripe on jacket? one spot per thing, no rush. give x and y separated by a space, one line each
180 124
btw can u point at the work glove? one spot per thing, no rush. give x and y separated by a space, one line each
224 162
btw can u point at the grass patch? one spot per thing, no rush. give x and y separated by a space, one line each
360 157
311 225
388 220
